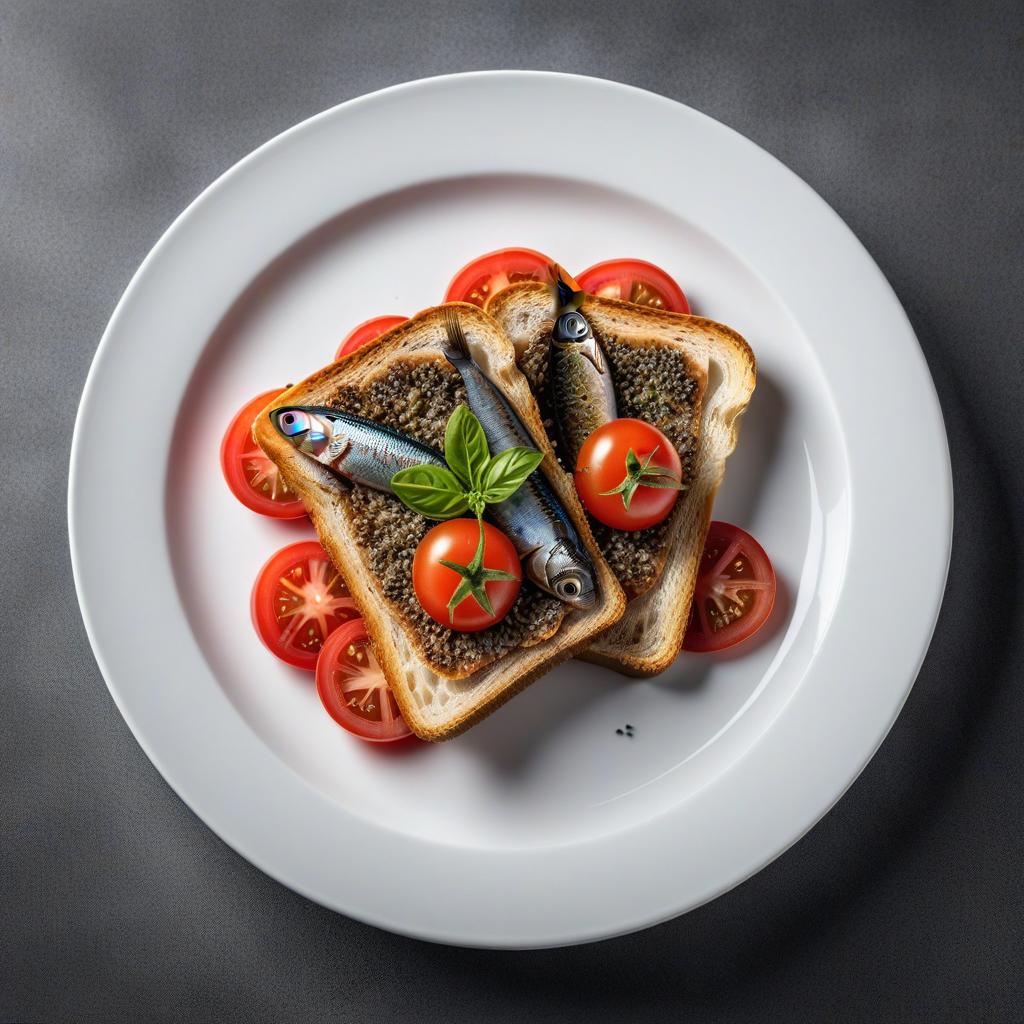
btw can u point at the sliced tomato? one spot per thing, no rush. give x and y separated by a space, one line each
367 331
485 276
634 281
254 480
735 590
353 689
298 600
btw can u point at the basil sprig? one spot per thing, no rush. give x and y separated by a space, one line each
472 480
643 474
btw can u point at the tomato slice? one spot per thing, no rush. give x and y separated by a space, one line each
487 275
298 600
634 281
353 689
253 478
367 331
735 591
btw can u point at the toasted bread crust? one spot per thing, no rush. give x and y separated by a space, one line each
436 707
647 639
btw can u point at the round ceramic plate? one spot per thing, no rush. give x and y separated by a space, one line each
543 825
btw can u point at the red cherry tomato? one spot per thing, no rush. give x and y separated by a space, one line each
254 480
604 465
367 331
485 276
735 590
434 583
634 281
353 689
298 600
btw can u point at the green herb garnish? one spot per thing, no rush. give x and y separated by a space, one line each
472 480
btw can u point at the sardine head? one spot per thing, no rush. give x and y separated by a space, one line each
563 571
570 327
572 333
308 431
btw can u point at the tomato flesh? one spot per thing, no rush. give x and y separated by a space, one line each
367 331
487 275
635 281
602 466
252 477
353 689
734 593
456 541
298 600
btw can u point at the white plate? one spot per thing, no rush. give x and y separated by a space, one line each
541 826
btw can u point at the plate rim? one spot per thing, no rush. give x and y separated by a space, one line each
76 535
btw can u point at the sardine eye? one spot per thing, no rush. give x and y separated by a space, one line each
570 588
292 422
571 327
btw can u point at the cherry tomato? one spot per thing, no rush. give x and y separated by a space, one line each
367 331
298 600
253 478
735 590
605 474
634 281
456 541
353 689
485 276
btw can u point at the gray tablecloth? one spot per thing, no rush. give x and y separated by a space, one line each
905 903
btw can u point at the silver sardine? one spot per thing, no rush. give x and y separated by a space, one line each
358 449
582 391
533 517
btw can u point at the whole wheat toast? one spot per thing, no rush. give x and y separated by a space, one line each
690 377
443 681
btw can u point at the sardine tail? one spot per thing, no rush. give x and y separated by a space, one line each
568 293
456 349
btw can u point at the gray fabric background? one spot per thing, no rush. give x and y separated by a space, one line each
905 903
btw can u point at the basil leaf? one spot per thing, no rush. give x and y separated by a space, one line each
432 491
507 471
465 448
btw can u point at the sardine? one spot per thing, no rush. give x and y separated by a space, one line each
582 390
533 517
357 449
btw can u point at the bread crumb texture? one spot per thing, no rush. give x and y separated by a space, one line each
417 397
652 383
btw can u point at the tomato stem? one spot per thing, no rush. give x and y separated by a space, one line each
643 474
478 558
474 578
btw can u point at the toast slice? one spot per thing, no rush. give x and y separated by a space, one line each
691 378
443 681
